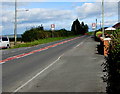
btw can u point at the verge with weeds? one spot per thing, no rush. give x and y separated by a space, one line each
40 41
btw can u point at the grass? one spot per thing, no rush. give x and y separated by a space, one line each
41 41
90 33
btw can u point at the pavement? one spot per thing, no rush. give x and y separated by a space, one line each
74 66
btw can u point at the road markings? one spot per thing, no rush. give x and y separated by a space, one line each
37 74
78 45
81 43
34 51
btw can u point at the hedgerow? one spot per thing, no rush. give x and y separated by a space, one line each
36 34
112 64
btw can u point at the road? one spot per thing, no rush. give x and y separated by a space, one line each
69 65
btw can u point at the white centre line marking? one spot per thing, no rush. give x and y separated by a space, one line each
37 75
81 43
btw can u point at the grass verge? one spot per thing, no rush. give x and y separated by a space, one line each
90 33
41 41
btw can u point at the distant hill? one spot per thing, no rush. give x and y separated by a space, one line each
12 36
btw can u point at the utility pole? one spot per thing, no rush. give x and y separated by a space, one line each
118 11
103 18
15 27
96 24
100 24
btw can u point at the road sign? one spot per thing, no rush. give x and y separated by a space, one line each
52 28
93 25
52 25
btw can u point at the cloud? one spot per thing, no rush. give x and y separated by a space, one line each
11 5
35 17
107 0
63 18
1 29
86 10
45 15
60 0
110 22
7 16
95 10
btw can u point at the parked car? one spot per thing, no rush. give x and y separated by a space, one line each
4 42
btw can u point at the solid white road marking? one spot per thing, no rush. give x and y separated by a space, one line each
79 44
41 72
37 75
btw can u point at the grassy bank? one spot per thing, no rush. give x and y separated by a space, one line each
40 41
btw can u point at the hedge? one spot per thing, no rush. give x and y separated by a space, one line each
36 34
112 64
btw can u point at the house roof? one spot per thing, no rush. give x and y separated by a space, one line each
117 25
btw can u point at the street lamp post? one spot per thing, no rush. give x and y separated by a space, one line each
15 28
103 18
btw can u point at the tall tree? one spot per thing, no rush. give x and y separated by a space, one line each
76 27
82 28
86 28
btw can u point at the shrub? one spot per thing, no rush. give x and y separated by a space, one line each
96 37
36 33
112 64
98 34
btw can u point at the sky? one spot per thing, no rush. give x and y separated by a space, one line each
61 13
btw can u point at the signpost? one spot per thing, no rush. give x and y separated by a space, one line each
93 26
52 29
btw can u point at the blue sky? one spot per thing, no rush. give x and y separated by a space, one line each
54 5
62 14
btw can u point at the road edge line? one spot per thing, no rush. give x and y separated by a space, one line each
37 74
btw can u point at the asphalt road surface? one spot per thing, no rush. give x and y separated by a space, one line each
69 65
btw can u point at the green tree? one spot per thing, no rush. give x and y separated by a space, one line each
40 27
82 28
86 28
76 27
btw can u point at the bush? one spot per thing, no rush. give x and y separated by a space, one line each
98 34
36 34
112 64
61 33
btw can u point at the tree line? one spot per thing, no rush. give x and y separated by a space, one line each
79 28
36 33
